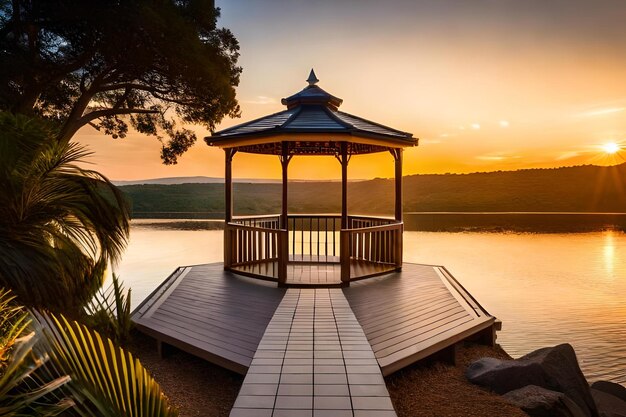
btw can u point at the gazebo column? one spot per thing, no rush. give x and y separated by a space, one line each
344 185
344 245
228 185
397 155
397 245
228 204
285 157
283 234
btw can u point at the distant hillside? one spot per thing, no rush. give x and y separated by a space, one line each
572 189
188 180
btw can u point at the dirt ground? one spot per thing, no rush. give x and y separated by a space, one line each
198 388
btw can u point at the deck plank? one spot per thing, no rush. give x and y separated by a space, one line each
411 314
211 313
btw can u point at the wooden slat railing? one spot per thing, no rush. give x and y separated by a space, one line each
249 245
253 240
314 238
357 222
270 221
376 245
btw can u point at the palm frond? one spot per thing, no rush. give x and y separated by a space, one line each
13 322
109 311
108 379
27 388
60 224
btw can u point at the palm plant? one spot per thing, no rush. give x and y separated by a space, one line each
60 224
62 367
13 322
109 311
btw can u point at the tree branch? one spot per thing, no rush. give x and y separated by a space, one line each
134 86
112 112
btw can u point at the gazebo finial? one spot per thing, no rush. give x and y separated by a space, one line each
312 80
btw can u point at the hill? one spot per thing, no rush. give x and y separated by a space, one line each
571 189
187 180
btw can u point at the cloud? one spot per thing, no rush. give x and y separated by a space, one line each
497 156
504 123
475 126
567 155
602 112
261 100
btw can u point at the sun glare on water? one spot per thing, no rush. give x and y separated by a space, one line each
611 148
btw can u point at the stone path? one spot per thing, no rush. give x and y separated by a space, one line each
313 360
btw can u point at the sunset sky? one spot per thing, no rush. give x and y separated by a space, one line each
485 84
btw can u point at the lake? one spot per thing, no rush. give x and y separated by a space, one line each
547 288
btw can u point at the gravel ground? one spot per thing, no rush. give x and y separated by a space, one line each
439 390
193 385
198 388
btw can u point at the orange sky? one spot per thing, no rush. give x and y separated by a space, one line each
486 85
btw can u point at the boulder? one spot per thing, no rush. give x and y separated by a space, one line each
609 405
555 368
540 402
612 388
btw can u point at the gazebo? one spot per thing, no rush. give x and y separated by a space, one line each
330 249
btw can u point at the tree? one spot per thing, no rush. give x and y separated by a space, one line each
111 63
60 225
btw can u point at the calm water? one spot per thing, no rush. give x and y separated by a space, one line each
546 288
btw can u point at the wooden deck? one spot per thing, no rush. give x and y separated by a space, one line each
222 317
211 313
412 314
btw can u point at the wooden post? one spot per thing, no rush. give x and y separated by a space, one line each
398 247
283 256
344 185
228 205
397 155
344 256
284 161
228 185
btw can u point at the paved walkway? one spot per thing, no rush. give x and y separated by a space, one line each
313 360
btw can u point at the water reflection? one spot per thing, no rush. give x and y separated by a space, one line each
546 288
609 252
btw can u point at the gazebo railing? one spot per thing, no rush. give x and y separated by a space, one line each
247 246
380 245
357 222
269 221
369 245
314 237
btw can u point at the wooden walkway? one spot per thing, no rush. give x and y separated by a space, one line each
314 360
412 314
211 313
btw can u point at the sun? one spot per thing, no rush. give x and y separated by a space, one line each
611 148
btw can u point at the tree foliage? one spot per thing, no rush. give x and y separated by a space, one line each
60 225
114 63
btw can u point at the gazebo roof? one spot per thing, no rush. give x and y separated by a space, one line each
313 121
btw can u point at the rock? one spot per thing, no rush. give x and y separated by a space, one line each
612 388
555 368
608 404
540 402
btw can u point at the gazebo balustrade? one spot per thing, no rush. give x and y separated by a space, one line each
312 238
351 247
